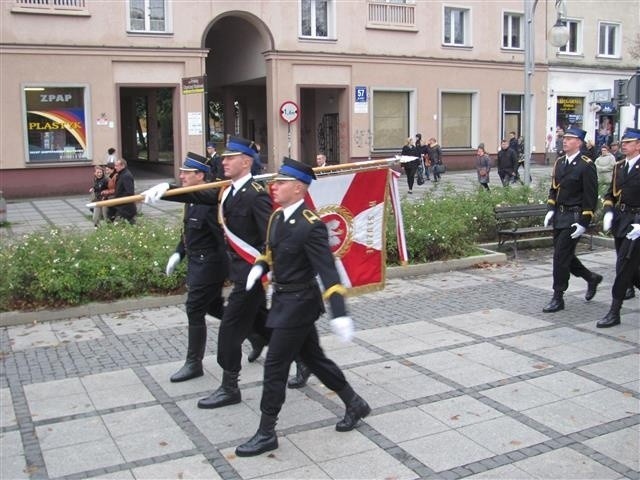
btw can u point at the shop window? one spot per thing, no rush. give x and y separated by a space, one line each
56 126
317 18
391 119
608 40
570 112
456 26
574 45
512 30
457 120
148 16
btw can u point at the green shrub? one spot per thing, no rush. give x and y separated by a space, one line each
70 267
450 224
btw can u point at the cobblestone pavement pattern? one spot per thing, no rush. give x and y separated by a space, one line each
466 376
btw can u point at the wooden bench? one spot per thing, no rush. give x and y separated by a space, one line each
521 221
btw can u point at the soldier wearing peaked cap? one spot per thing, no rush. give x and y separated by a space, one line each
572 202
622 218
298 250
202 243
244 209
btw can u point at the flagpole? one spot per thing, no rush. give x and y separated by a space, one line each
327 170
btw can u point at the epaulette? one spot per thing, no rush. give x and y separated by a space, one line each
257 187
310 216
586 159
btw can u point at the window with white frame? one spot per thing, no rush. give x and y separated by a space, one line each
316 18
609 40
456 26
391 118
148 16
457 119
574 45
512 30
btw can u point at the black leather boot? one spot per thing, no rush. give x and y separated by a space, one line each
227 393
612 318
302 375
197 343
556 304
630 293
264 440
356 409
258 342
592 285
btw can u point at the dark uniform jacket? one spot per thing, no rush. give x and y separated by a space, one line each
507 160
623 198
298 251
574 191
246 215
203 243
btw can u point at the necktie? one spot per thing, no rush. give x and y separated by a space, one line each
233 190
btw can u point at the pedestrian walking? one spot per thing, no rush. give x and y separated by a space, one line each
298 250
507 163
483 167
572 202
202 243
622 217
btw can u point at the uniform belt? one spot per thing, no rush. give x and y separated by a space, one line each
623 207
199 253
569 208
294 287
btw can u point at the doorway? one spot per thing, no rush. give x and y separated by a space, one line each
146 125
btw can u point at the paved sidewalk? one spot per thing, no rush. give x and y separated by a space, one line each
466 376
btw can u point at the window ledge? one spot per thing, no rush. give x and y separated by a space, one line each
569 55
140 33
457 47
615 58
398 28
51 11
511 50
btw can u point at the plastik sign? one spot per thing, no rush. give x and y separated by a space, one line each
55 97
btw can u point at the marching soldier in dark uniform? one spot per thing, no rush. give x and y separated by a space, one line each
203 244
298 250
246 207
572 202
622 217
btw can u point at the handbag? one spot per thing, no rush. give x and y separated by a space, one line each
482 171
440 168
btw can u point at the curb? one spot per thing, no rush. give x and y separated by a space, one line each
38 316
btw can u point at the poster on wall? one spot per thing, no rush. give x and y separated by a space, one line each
56 128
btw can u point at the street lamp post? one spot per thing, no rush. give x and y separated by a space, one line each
558 36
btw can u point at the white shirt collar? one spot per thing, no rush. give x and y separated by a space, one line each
239 183
288 211
632 161
572 157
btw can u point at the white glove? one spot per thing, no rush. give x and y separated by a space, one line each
548 217
578 231
607 220
254 274
173 262
635 233
343 328
154 194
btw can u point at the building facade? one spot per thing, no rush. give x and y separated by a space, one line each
157 78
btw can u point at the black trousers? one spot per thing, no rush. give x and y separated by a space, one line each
241 312
285 345
627 266
203 299
411 168
565 262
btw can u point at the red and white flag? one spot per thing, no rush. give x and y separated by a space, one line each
352 205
